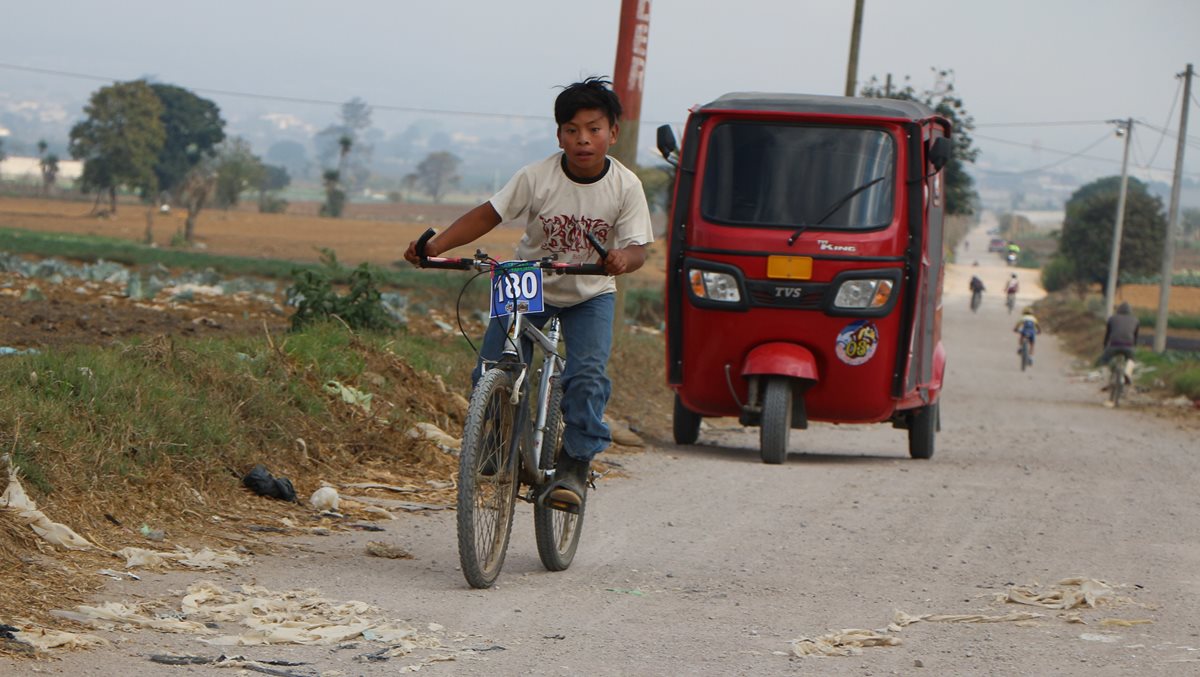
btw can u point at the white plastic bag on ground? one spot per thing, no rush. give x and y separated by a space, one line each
16 500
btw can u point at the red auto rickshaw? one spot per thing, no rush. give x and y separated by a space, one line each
805 265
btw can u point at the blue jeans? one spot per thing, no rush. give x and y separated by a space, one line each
587 331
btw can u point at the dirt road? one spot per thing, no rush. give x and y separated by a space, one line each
705 561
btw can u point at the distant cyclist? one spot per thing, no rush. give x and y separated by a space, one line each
1028 329
1010 291
1120 336
976 292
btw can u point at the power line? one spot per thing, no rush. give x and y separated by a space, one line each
1069 155
1174 99
289 99
1065 123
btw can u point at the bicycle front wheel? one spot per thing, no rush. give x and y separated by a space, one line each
557 530
487 479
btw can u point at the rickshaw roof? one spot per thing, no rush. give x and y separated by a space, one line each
821 105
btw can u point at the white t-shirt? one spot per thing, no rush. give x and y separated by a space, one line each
556 210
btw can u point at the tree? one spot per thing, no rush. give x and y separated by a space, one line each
273 179
1086 240
331 143
657 183
119 140
238 169
48 163
437 173
193 128
335 197
959 186
195 190
291 156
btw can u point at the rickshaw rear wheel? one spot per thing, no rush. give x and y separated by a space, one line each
776 420
922 429
686 423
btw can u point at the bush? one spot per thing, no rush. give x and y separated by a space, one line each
1187 383
273 205
360 308
1057 274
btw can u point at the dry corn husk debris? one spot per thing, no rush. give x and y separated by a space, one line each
1070 593
848 642
428 431
205 558
16 500
44 639
262 617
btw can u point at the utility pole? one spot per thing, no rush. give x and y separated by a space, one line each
629 77
855 35
1164 290
1124 127
887 88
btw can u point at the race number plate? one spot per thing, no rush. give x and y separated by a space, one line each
517 288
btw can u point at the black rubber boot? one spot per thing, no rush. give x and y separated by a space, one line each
570 482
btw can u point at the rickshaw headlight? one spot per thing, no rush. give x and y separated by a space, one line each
863 294
714 286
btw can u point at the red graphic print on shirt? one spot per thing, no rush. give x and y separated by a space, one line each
564 233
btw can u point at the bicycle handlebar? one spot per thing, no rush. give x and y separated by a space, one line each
482 261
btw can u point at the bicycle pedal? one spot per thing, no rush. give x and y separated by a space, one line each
547 502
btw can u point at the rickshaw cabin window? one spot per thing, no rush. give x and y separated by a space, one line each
764 174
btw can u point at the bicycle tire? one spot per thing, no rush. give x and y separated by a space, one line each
557 531
1024 353
1117 379
487 495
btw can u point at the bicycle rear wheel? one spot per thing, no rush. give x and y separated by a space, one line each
1024 353
557 531
487 479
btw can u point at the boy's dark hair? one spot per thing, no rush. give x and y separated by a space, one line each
594 92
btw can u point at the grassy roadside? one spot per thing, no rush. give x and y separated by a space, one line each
1082 331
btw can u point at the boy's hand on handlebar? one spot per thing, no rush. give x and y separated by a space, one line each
410 254
627 260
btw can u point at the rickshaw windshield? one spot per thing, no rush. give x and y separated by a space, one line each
789 175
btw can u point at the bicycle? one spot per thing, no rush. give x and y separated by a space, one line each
1010 301
976 300
1026 360
1116 379
502 447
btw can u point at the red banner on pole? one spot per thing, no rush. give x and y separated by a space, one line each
629 76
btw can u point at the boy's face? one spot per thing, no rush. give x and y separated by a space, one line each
586 139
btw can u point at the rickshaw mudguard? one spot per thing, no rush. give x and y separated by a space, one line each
781 359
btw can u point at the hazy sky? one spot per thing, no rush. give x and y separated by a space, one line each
1016 61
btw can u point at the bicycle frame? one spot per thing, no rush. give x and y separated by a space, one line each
552 364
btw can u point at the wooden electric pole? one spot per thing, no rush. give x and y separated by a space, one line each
855 34
629 76
1164 290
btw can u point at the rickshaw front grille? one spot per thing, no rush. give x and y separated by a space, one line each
769 294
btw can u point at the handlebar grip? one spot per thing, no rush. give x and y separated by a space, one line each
587 269
421 242
596 245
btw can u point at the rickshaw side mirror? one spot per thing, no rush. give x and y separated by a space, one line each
939 152
666 144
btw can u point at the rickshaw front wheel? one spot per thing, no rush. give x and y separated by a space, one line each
686 423
776 420
922 429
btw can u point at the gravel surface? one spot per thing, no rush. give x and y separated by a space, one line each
706 561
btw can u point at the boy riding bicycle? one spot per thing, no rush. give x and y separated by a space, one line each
1028 329
578 190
